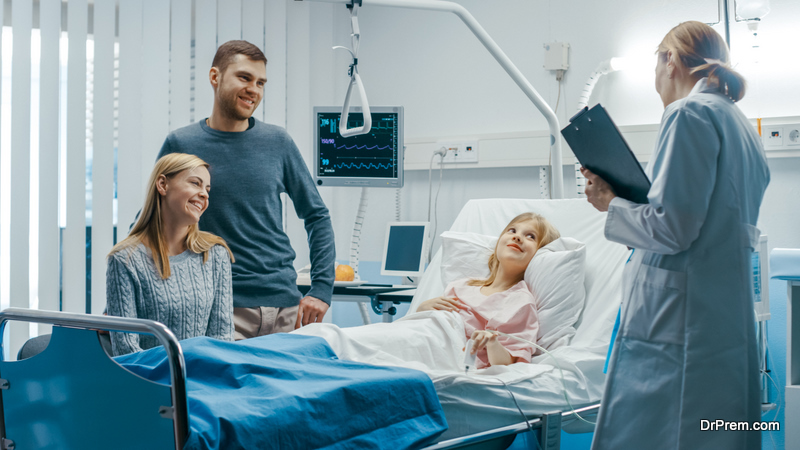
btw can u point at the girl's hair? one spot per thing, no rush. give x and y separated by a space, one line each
545 233
702 50
149 228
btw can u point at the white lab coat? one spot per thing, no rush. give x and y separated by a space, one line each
686 348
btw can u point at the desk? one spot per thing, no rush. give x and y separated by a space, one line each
382 298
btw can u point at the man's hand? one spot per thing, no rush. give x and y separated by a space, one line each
598 192
311 310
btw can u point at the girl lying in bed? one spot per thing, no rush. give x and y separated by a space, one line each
502 301
430 340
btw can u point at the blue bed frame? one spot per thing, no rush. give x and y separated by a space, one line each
72 395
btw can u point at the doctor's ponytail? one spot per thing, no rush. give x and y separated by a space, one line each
704 53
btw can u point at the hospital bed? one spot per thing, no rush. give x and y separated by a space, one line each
576 283
280 391
477 407
480 403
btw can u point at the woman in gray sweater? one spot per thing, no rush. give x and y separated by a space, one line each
168 270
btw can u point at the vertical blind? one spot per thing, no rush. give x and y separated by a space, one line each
94 90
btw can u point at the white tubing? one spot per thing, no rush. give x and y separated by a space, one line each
355 243
354 250
397 205
583 101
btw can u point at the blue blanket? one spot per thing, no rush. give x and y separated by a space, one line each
292 392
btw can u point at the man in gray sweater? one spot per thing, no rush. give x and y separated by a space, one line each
252 163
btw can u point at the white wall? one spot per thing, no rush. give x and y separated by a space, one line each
450 86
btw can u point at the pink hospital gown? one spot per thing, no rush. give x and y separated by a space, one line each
512 311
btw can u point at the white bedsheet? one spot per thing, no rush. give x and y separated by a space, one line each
478 401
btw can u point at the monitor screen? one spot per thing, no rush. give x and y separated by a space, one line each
374 159
405 249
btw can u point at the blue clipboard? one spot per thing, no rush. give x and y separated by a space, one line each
600 147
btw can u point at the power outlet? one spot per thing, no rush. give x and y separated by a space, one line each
776 137
793 136
460 152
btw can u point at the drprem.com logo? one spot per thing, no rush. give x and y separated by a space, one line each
721 425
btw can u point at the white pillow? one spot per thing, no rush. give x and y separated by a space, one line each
555 277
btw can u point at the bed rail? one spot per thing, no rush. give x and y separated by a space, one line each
548 424
179 413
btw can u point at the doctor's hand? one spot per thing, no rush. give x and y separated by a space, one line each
442 304
311 310
598 192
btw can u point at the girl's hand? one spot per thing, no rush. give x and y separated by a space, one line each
442 304
482 338
497 354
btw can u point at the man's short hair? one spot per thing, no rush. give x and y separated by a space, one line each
227 51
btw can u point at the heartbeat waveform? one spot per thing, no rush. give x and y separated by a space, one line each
362 147
333 125
378 127
361 166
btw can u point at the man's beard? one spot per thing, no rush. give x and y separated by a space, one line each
228 107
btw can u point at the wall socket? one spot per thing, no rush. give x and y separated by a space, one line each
780 136
460 152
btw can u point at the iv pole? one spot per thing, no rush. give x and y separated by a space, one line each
502 59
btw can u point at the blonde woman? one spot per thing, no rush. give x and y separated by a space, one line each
503 301
686 347
168 270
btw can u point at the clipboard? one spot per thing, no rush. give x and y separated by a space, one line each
600 147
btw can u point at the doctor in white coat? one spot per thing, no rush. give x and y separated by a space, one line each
686 351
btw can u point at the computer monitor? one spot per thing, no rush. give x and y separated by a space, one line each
374 159
405 249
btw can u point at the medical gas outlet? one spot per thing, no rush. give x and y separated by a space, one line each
459 152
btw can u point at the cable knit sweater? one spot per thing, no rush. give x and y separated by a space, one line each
194 301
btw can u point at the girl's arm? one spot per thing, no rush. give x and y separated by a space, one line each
441 304
447 302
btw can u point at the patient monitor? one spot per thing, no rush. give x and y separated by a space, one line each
405 249
374 159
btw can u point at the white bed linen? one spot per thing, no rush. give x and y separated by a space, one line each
478 401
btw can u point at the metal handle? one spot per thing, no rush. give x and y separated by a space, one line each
355 80
167 338
343 130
